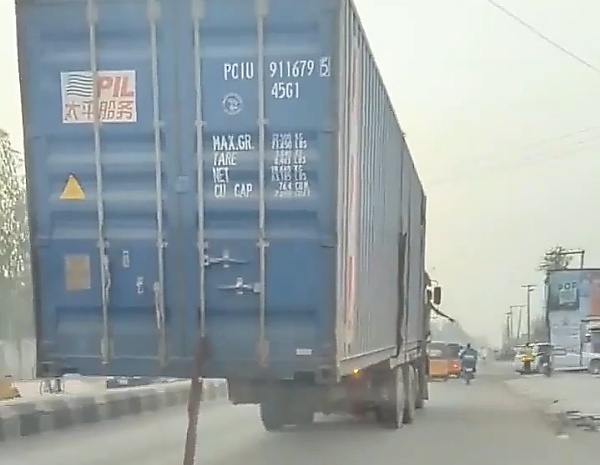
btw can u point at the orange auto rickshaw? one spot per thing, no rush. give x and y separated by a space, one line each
453 353
438 361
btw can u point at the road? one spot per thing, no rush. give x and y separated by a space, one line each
483 423
568 391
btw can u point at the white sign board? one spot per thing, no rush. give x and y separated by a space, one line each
115 96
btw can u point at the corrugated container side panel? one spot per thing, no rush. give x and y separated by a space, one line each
414 314
405 193
374 141
366 215
423 298
343 66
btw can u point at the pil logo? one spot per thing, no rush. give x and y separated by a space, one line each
115 87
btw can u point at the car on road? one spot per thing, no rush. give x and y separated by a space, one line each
453 352
438 361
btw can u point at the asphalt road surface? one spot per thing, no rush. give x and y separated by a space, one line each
482 423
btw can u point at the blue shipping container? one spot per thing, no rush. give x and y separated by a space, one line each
232 169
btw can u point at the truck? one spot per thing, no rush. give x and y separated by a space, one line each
575 348
225 177
573 318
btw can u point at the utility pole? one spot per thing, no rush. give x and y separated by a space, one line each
511 312
529 288
508 328
578 252
519 323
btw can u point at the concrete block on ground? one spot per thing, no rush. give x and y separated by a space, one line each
27 417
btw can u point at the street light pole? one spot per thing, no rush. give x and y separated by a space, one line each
508 327
529 288
512 319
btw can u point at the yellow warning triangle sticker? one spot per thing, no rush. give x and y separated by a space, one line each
72 190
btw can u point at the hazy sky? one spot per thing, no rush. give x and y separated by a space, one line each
493 115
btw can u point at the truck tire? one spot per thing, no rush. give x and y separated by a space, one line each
422 386
359 410
594 367
273 409
390 412
410 394
272 417
303 418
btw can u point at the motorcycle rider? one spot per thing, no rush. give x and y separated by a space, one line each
468 358
544 359
528 358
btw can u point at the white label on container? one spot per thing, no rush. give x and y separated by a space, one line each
111 96
304 352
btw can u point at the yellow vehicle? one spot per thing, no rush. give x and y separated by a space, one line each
8 390
453 355
527 359
438 361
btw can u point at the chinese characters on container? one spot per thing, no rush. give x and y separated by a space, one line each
111 94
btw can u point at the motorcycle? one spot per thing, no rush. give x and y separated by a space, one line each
468 375
527 367
545 366
546 369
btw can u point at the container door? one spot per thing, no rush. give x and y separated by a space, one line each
258 76
104 182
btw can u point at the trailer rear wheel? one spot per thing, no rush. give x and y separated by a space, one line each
410 393
273 409
390 412
303 418
421 387
273 418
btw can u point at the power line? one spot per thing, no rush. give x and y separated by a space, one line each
496 170
534 146
508 165
544 37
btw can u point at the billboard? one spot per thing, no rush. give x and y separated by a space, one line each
575 291
565 330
